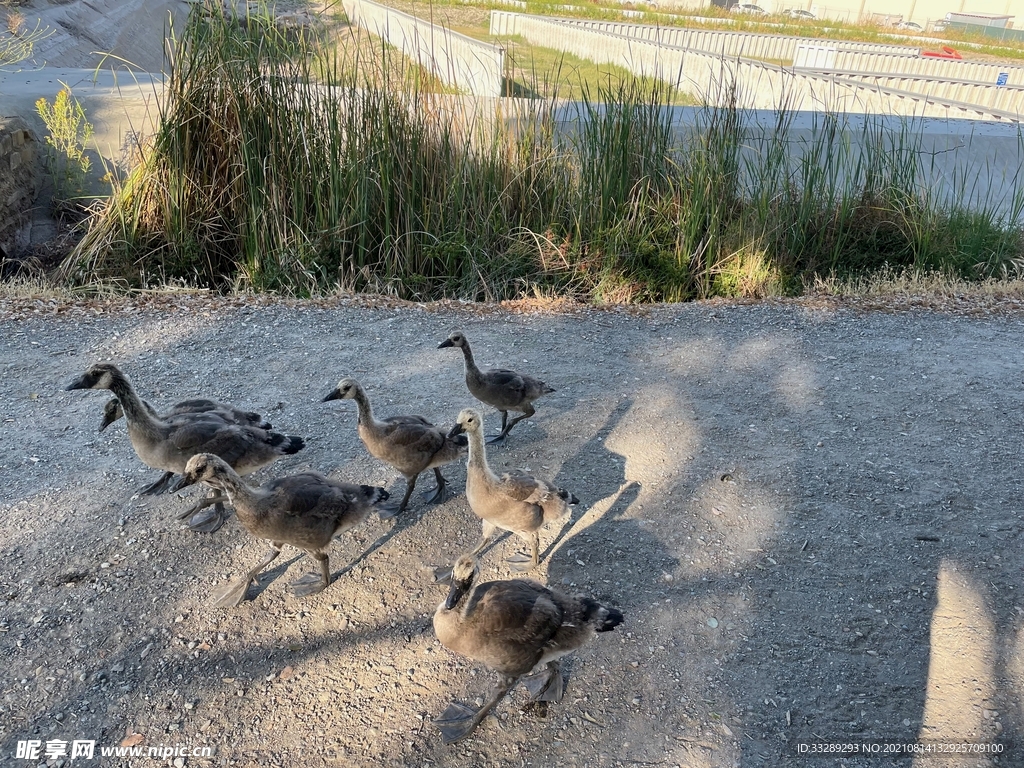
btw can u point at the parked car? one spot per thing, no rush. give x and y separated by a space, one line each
939 26
910 26
799 13
749 8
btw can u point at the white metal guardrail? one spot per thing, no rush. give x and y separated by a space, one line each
755 84
749 44
1007 98
880 63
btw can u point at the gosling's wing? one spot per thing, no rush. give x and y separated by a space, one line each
525 488
414 433
519 611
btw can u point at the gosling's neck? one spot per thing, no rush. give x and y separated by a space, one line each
467 354
241 494
478 454
365 409
133 406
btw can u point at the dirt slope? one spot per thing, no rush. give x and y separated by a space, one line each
85 30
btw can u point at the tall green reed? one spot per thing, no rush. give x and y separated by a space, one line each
286 164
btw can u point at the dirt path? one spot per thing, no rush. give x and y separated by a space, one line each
810 518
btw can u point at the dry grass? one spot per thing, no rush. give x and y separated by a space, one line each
885 291
907 283
15 21
43 288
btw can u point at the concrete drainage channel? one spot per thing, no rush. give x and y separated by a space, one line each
472 66
711 64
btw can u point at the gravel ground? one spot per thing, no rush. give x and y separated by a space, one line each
809 515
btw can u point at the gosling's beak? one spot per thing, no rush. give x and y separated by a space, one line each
107 421
456 430
455 593
187 479
79 383
445 343
334 395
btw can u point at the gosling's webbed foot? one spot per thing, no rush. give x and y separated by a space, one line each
309 584
208 520
157 487
457 722
440 574
494 439
178 484
209 501
555 689
231 596
546 685
388 511
434 495
520 562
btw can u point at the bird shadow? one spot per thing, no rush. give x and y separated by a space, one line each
624 498
270 575
606 481
403 522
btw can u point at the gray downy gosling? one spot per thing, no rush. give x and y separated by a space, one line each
516 628
410 444
167 444
499 387
305 510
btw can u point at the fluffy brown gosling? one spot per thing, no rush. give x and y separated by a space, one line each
503 389
305 510
410 444
514 627
514 502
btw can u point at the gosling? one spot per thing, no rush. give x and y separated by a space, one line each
305 510
410 444
169 444
514 627
513 502
112 411
503 389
